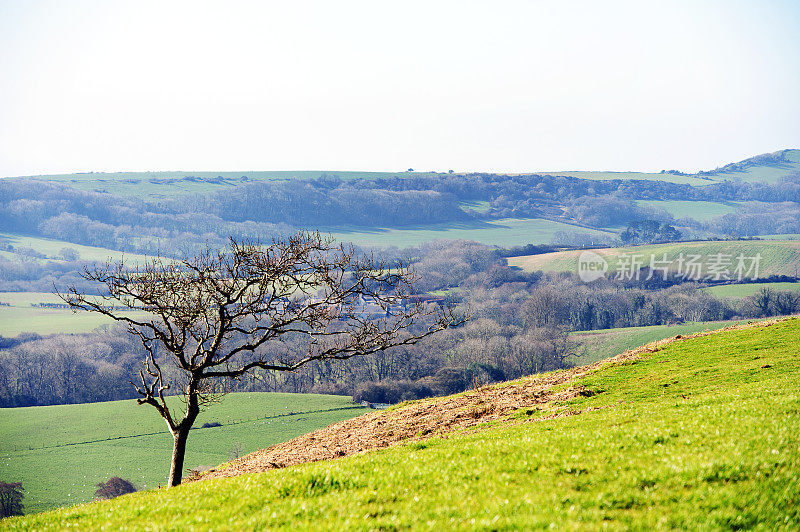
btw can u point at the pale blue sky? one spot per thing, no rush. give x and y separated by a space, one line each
494 86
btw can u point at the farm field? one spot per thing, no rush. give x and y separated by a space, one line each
776 257
502 232
591 346
740 291
155 185
701 434
51 249
19 316
41 446
699 210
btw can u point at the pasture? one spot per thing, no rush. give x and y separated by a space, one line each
701 434
698 210
591 346
740 291
51 249
776 258
502 232
61 452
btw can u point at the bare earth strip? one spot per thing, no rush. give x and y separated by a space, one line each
437 417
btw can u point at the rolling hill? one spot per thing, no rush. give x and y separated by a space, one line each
695 432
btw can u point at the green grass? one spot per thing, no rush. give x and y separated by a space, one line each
700 435
698 210
777 257
501 232
40 446
591 346
634 176
740 291
20 316
51 248
157 185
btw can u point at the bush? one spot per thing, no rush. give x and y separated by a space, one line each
11 498
391 391
211 424
114 488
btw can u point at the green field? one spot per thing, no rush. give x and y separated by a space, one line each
698 210
41 446
591 346
51 249
702 434
20 316
157 185
739 291
501 232
777 257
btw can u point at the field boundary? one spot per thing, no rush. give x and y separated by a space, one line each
129 436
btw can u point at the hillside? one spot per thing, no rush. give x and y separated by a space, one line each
697 432
61 452
777 257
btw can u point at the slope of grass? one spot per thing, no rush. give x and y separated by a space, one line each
591 346
697 210
702 433
19 316
51 249
60 453
740 291
777 257
501 232
156 185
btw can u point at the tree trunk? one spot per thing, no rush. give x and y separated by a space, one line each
178 452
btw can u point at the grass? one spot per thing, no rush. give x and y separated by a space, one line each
697 210
501 232
41 446
51 248
591 346
702 434
20 316
777 257
158 185
740 291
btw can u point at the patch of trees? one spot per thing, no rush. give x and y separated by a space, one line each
114 487
11 495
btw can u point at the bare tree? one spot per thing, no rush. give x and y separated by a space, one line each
211 317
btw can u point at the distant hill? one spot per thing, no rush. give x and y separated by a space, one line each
768 167
697 432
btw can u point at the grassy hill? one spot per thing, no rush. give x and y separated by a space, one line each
160 184
50 249
739 291
591 346
694 433
502 232
777 257
60 453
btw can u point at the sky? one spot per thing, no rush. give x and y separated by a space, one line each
500 85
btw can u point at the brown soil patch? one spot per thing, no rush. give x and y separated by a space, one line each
434 417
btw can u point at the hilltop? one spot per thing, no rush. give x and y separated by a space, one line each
692 432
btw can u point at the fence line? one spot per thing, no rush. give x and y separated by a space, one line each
233 422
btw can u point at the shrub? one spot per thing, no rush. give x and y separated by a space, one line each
11 498
114 487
